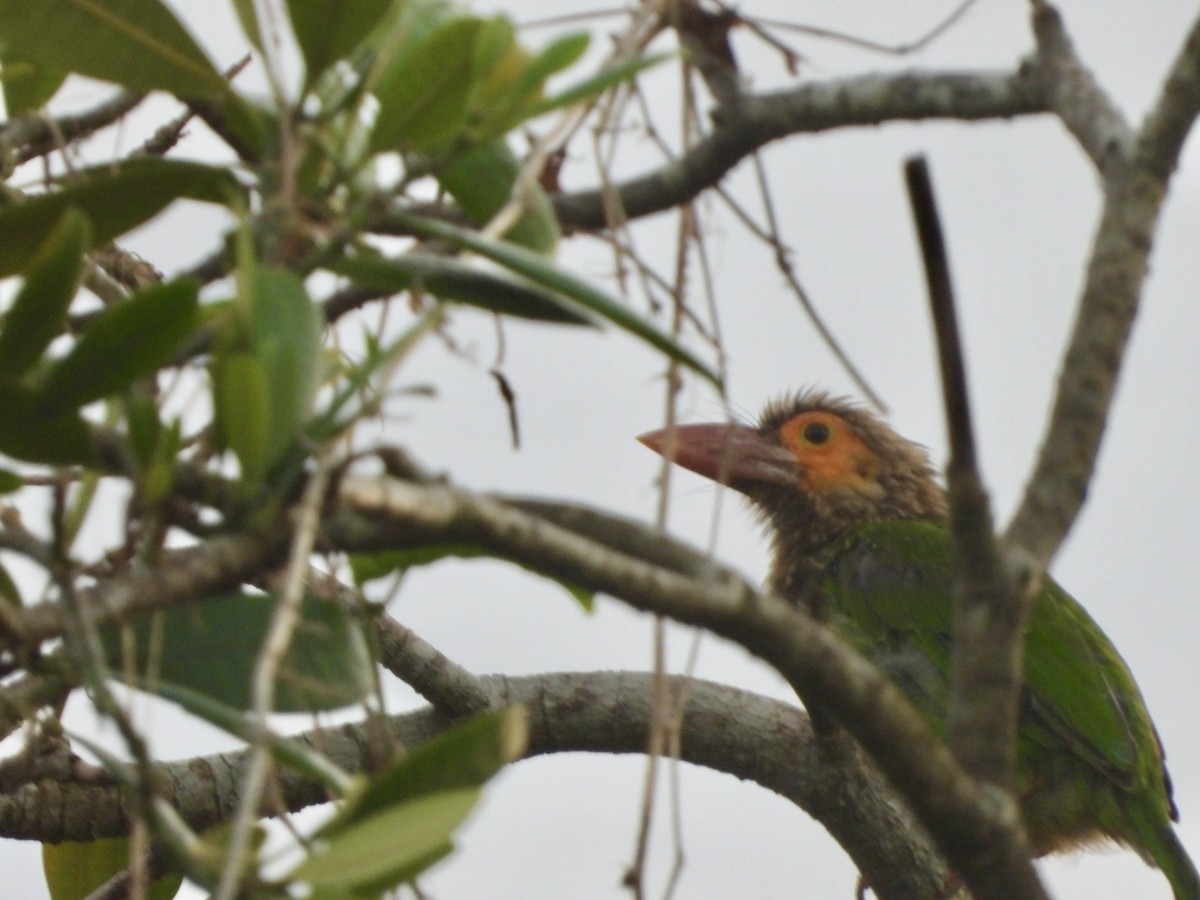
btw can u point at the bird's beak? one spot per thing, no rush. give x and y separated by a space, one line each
734 455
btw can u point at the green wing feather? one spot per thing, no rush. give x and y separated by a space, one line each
1089 761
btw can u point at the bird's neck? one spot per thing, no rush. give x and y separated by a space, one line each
796 569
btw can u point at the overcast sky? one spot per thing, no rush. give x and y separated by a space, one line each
1019 203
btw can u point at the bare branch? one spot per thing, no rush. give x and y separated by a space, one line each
1074 94
724 729
33 136
192 572
809 109
447 686
1134 195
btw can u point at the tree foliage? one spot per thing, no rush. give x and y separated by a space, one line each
394 170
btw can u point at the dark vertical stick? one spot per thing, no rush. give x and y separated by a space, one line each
988 623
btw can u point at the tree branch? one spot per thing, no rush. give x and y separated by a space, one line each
757 120
724 729
1074 94
981 841
1135 190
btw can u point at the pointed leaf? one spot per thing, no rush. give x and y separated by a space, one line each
10 594
285 338
75 870
560 53
423 98
481 179
537 269
127 342
114 201
595 85
136 43
248 18
28 86
466 756
241 398
327 665
371 566
328 30
39 312
456 281
391 847
516 82
27 433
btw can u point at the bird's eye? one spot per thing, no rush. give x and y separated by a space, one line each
816 432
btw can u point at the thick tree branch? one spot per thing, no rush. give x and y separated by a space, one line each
1075 96
1134 195
217 565
982 842
756 120
724 729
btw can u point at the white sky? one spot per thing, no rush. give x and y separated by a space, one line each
1019 203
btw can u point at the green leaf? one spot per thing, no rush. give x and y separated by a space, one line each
10 594
481 179
27 86
423 94
401 820
39 312
114 199
516 81
241 398
372 566
537 269
212 647
27 433
248 18
127 342
10 482
75 870
390 848
456 281
466 756
136 43
285 337
328 30
595 85
560 53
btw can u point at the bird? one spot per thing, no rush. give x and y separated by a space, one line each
860 537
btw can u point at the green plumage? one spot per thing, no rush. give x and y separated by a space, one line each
1089 764
858 526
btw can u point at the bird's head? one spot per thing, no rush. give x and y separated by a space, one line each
813 466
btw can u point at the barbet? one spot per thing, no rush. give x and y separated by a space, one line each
858 527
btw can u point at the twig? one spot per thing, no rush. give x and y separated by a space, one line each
447 686
808 109
775 240
279 637
35 136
